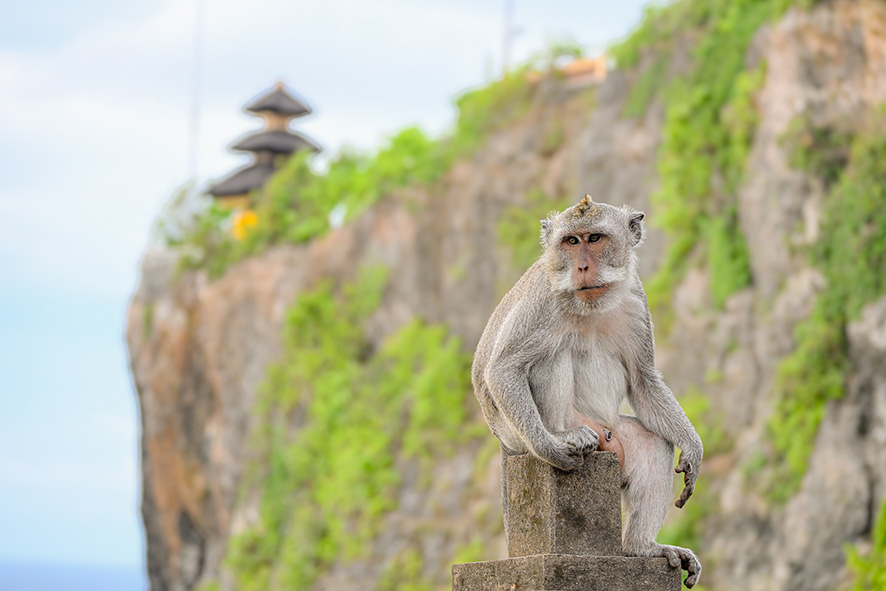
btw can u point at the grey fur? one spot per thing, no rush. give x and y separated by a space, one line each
546 354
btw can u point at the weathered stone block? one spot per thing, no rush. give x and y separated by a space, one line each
550 572
549 511
564 534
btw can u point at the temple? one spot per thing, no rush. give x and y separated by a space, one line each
270 146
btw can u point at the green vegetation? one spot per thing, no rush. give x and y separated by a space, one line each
822 151
326 437
869 569
647 86
515 226
404 573
327 459
554 138
472 552
709 123
483 111
713 376
728 262
850 251
148 321
296 204
707 420
208 243
327 406
685 528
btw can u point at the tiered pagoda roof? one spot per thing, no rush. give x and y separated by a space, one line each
243 180
280 102
269 145
280 141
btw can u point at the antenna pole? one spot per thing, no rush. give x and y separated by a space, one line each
194 131
507 36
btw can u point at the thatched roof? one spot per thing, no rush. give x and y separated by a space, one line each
279 142
279 101
243 181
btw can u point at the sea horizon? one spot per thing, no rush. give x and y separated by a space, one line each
23 575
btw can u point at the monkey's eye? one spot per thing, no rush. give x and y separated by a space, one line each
595 237
573 240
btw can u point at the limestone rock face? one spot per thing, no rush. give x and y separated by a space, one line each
825 66
199 349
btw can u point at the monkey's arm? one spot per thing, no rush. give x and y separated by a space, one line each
658 410
506 377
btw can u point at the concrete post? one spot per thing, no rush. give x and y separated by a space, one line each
564 534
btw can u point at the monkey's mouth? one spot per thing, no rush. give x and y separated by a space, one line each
589 287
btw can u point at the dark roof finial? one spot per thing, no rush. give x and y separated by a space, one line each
279 101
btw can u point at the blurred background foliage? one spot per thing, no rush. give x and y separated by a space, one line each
296 204
326 488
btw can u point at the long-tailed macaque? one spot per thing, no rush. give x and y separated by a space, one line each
570 341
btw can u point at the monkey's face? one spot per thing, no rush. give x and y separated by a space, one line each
589 251
585 253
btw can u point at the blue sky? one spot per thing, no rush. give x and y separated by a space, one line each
95 98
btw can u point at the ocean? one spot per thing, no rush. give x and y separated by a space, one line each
24 576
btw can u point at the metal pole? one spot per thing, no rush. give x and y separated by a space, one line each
507 36
194 131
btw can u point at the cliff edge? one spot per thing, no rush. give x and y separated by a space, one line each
307 420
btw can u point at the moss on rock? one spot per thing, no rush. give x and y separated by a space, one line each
336 420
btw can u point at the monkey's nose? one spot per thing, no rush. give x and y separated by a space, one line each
583 268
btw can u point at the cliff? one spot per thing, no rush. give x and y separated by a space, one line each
307 420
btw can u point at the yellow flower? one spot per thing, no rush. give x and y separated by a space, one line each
243 221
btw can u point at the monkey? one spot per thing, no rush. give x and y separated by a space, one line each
607 439
566 346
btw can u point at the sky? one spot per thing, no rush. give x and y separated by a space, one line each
97 106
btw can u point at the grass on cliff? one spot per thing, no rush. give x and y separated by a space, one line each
335 418
296 204
686 528
868 568
514 228
709 123
851 254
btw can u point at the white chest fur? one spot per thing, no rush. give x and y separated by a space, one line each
584 372
600 378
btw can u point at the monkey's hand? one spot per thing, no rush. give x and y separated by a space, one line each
689 468
683 558
568 448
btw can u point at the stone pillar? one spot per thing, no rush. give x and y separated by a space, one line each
564 534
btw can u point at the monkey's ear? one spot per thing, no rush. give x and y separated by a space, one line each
637 227
546 226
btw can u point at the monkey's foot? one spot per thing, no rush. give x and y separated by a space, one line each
683 558
569 448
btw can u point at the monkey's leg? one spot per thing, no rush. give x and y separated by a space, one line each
647 487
